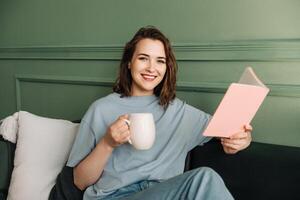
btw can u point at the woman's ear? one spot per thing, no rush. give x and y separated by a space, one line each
129 65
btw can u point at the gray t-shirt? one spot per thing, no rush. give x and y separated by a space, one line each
178 129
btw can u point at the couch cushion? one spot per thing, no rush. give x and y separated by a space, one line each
43 146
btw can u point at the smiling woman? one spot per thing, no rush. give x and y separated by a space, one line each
151 50
148 67
105 164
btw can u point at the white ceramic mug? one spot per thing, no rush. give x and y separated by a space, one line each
142 130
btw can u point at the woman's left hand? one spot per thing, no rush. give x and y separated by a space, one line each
238 141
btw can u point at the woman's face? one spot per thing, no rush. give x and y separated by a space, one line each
147 66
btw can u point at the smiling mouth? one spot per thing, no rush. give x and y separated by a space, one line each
148 77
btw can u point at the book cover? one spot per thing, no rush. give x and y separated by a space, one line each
238 106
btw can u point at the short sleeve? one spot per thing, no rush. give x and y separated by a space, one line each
200 121
84 143
88 134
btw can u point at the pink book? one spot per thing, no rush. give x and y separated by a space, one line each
238 106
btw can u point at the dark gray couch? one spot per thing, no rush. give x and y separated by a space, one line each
262 171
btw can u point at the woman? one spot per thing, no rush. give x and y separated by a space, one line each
106 166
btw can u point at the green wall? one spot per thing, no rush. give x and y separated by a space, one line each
56 57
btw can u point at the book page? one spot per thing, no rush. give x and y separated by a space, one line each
250 78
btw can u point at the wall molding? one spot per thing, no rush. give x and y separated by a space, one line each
280 90
57 80
254 50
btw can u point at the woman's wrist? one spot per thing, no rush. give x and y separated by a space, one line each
105 144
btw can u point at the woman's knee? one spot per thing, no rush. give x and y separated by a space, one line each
207 174
205 183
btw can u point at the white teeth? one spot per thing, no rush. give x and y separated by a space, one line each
148 77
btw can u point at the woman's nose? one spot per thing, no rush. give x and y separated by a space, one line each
151 66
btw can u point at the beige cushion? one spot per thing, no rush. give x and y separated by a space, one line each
43 146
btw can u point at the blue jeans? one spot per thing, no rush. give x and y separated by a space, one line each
201 183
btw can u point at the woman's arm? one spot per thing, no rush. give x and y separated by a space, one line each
89 170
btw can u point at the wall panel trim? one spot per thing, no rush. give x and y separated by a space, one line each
254 50
57 80
280 90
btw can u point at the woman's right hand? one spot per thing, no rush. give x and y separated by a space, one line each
89 170
118 132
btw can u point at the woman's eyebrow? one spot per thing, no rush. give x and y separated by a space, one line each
144 54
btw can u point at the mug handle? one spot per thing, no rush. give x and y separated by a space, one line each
128 124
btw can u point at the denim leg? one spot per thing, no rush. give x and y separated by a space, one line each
124 192
130 190
201 183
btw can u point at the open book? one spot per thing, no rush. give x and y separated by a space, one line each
238 106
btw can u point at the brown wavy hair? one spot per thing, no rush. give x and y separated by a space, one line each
166 89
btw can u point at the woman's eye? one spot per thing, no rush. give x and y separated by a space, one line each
162 61
142 58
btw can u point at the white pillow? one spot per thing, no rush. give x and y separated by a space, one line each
43 147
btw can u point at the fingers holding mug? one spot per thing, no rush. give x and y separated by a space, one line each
127 122
124 136
118 132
